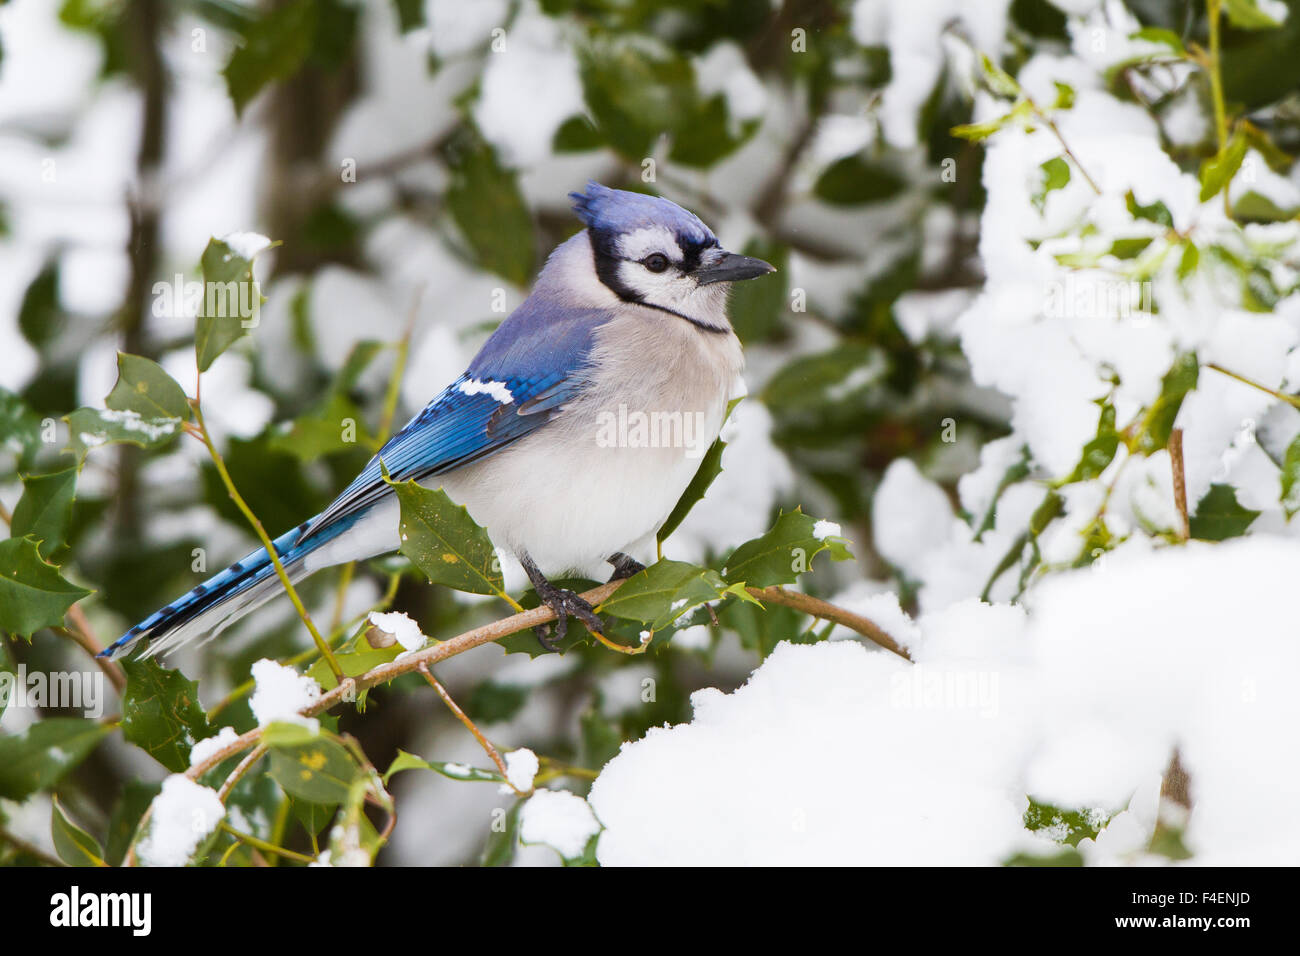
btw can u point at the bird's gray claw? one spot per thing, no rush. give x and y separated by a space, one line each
624 566
566 604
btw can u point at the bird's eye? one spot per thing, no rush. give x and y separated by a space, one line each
655 262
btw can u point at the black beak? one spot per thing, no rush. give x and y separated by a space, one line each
730 267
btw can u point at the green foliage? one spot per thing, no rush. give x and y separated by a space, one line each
442 540
33 594
161 713
44 512
231 298
452 771
74 845
783 553
485 201
1220 516
37 758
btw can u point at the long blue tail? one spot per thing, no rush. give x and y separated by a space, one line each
225 597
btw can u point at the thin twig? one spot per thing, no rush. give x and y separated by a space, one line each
265 847
1180 479
232 781
485 634
1291 400
84 637
830 612
463 717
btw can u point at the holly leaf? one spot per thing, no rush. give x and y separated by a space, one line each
20 428
91 427
161 713
1220 516
442 540
45 509
1291 478
1158 420
37 758
664 592
232 300
784 552
1247 15
319 771
453 771
144 388
74 845
275 46
1055 175
33 594
485 200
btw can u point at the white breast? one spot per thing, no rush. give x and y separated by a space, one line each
604 476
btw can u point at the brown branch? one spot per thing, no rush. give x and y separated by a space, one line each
83 636
428 656
463 717
830 612
1180 479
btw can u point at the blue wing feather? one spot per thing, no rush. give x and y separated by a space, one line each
541 355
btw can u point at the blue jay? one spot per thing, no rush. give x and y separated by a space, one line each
628 314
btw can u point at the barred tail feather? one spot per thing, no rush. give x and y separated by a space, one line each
224 598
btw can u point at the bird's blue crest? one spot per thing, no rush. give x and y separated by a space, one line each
618 211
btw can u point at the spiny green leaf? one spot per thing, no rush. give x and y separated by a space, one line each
161 713
664 592
854 180
1220 516
39 756
45 509
144 388
783 553
710 468
33 595
320 771
442 540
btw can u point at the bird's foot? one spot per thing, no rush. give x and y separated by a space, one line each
565 604
624 566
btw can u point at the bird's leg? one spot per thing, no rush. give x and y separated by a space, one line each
563 602
624 566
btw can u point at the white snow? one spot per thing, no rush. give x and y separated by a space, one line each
559 819
825 529
205 748
1078 702
404 630
183 815
280 693
246 245
521 768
